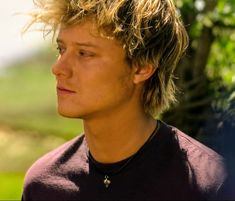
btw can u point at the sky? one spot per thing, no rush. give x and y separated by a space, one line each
14 45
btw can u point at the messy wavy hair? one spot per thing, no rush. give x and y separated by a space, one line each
150 31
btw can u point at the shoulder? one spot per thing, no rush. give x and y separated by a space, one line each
205 165
50 164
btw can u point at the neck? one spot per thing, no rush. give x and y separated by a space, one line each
118 136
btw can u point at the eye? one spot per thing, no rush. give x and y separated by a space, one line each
83 53
60 50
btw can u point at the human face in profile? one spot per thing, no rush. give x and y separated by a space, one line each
93 76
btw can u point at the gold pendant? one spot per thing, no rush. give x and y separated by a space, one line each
107 182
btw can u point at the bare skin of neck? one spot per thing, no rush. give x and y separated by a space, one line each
112 138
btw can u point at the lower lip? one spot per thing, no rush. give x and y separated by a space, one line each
64 92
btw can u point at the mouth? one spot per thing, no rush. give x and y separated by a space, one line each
62 90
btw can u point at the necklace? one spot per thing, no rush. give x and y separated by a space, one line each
125 163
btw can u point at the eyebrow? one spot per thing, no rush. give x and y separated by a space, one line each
85 44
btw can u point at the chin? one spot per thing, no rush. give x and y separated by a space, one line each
68 114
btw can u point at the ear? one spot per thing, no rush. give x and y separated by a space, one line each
142 73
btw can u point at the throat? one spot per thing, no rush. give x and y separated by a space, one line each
115 143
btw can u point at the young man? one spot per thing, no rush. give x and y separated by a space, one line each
114 71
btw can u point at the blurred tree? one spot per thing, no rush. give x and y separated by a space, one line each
219 132
209 59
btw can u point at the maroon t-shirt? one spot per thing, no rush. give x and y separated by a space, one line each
172 166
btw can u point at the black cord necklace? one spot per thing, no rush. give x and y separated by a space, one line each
107 175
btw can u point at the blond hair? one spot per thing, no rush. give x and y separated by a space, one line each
150 30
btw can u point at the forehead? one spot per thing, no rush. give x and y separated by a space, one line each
85 29
87 34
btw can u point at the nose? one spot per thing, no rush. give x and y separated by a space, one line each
61 68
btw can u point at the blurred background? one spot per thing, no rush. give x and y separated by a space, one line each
30 126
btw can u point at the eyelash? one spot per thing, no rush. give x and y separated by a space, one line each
85 53
60 50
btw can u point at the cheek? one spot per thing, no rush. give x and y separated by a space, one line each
103 90
103 77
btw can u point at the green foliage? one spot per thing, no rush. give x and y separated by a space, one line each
23 148
219 130
11 186
222 63
28 99
219 16
224 105
210 57
29 123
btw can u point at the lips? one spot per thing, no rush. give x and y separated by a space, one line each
63 90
